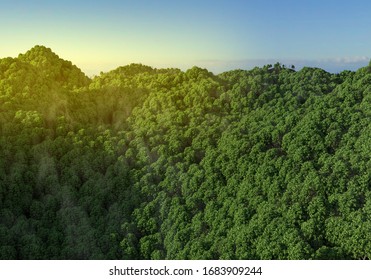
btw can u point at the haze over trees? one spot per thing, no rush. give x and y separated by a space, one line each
144 163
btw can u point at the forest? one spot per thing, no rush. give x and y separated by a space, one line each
146 163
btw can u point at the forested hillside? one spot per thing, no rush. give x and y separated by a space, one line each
144 163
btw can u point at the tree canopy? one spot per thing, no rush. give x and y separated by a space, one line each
145 163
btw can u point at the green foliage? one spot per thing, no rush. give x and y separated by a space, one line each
144 163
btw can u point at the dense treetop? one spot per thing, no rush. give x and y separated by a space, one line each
145 163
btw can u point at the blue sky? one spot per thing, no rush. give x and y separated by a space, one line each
219 35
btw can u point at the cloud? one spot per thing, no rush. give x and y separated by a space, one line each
347 60
333 65
339 64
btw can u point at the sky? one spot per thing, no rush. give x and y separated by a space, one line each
219 35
